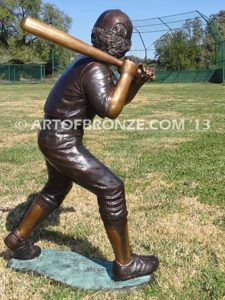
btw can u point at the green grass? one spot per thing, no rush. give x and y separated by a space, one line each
174 183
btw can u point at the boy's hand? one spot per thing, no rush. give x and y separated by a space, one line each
129 67
146 72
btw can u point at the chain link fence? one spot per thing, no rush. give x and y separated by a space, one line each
22 72
186 47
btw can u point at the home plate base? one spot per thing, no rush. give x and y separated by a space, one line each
76 270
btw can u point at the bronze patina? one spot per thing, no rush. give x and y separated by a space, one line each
86 89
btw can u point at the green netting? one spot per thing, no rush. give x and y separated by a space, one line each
220 59
29 72
219 42
188 76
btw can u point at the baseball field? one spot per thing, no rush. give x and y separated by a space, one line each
171 156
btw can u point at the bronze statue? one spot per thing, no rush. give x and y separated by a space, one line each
88 87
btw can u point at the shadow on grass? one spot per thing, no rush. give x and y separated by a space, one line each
79 245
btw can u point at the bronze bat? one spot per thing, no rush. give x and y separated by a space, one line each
66 40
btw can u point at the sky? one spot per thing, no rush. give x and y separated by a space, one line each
85 13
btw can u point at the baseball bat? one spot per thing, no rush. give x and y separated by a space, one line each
58 37
66 40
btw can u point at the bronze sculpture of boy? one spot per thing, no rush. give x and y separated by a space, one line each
88 87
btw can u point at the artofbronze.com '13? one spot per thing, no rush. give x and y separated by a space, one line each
109 124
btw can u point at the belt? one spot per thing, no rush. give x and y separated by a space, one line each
53 123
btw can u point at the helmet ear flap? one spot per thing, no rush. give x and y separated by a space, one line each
120 30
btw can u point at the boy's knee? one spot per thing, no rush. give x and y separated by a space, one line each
58 194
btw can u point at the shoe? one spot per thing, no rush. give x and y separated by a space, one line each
140 265
23 248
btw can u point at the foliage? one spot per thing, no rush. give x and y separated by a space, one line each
25 47
190 47
219 18
181 50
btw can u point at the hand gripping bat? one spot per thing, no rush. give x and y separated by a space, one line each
64 39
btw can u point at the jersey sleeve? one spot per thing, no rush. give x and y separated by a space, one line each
98 81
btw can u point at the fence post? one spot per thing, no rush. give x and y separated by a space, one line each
9 77
41 72
223 61
14 73
53 62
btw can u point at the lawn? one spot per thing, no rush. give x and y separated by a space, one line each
174 174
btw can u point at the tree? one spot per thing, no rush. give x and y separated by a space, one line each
166 52
172 51
219 19
195 43
182 49
191 46
25 47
